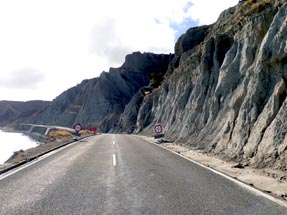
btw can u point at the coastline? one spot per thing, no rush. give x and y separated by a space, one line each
51 143
12 141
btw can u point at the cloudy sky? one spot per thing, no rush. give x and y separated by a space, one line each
48 46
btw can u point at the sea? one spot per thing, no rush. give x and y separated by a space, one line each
11 142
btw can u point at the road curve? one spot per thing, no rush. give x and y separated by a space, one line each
123 174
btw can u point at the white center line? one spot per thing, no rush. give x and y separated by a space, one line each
5 175
114 160
114 142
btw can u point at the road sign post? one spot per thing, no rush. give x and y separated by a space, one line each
93 129
78 127
158 129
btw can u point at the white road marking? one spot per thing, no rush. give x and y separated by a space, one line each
114 142
13 171
114 160
240 183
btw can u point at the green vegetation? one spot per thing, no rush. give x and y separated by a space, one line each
257 7
247 9
156 78
262 31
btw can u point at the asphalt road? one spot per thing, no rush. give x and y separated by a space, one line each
122 174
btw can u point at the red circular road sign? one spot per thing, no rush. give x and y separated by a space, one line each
158 129
78 127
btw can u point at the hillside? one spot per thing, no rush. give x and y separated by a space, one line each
227 95
99 102
11 111
222 92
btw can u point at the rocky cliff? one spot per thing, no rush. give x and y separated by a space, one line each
227 93
223 91
100 102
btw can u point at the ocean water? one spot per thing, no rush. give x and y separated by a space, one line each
11 142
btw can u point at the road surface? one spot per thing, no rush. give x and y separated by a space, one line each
123 174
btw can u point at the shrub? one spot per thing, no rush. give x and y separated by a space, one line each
60 134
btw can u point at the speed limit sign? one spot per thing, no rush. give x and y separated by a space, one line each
78 127
158 129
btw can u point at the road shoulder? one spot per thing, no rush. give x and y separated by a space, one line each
273 182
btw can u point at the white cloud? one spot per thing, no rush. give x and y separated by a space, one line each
207 11
71 40
25 78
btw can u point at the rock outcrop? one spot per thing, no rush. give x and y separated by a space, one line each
100 102
223 91
227 95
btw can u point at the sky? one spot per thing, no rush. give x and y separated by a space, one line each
48 46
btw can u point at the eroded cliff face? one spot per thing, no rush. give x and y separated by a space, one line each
227 93
99 102
222 92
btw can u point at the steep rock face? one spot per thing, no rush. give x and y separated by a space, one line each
128 119
11 111
100 102
192 38
227 95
